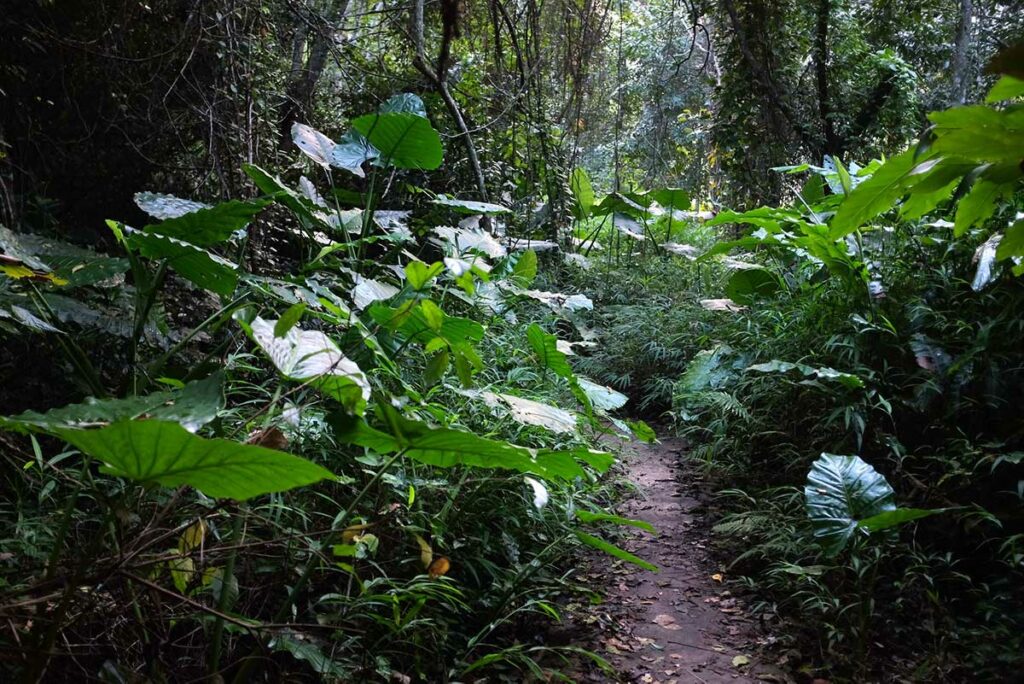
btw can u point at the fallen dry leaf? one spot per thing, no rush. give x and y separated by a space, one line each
666 621
740 661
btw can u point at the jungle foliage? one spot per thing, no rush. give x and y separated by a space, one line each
314 311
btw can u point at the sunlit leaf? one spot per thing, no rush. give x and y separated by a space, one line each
313 143
405 140
311 356
164 207
841 492
470 207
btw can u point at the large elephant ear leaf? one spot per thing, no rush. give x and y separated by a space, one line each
193 406
165 453
582 192
310 356
351 152
164 207
841 492
195 264
404 102
313 143
207 226
405 140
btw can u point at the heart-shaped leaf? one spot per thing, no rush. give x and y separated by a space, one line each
168 454
841 492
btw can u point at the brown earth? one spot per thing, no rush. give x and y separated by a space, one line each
682 624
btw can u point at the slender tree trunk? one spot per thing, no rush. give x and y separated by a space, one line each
439 78
961 52
311 46
832 145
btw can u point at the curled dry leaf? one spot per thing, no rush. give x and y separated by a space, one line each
438 567
271 437
666 622
721 305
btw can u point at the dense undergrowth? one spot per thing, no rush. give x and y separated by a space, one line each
340 425
879 315
340 458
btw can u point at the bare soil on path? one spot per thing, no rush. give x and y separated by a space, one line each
681 625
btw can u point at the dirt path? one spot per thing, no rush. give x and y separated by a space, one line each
682 624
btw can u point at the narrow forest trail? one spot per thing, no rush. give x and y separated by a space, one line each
679 625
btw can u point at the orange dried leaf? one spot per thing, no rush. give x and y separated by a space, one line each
438 567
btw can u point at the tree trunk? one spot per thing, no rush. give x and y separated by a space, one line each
832 145
438 77
960 65
311 46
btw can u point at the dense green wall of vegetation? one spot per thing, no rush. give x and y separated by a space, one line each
313 312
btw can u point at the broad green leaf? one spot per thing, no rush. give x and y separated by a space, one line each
168 454
470 207
280 192
289 319
813 190
588 517
311 356
526 267
841 492
193 406
1006 88
642 431
203 269
313 143
404 102
1012 244
671 198
78 266
418 274
888 519
979 204
164 207
211 225
874 196
823 373
405 140
615 551
446 447
545 347
631 204
747 284
602 398
312 654
410 322
351 152
583 192
979 133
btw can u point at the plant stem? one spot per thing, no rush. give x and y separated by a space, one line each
244 672
143 305
224 600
